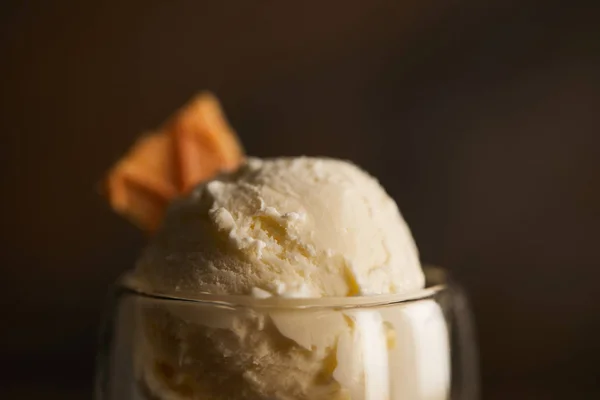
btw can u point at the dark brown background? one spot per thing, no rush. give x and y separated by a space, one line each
481 118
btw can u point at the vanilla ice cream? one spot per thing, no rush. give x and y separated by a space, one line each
297 227
289 227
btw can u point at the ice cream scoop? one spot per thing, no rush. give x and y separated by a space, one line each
292 227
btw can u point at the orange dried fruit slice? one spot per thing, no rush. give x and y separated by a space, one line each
205 144
195 145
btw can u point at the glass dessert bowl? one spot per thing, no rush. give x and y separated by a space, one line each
383 347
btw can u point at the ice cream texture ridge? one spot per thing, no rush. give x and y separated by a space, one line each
296 227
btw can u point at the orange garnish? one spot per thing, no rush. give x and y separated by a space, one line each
195 145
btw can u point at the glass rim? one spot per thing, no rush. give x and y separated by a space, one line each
436 277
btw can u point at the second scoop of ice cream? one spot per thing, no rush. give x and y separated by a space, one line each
295 227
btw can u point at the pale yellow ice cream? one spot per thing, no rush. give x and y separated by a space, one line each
297 227
289 227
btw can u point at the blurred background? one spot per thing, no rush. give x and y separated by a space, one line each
481 118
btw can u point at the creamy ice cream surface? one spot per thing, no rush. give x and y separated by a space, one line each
290 227
295 227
